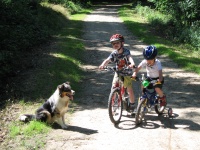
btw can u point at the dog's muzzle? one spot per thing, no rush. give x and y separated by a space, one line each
71 94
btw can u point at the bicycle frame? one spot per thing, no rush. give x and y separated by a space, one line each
150 97
122 89
146 101
119 84
117 100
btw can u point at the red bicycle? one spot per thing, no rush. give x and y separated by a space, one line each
118 98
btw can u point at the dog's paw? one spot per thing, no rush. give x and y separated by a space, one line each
64 126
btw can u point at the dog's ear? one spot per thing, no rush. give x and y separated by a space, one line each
60 88
67 82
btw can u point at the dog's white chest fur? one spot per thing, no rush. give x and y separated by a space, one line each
61 103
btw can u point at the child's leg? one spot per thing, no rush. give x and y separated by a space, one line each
115 80
162 97
159 92
129 86
131 94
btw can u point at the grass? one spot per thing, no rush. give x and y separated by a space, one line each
140 27
60 62
29 136
65 59
31 129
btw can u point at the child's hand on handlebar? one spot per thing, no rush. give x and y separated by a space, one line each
133 77
158 82
131 66
101 67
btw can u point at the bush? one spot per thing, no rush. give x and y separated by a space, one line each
191 35
167 27
24 24
158 21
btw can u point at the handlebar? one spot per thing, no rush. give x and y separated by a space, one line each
147 81
125 71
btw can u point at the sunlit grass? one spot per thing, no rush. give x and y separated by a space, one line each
35 127
57 8
30 129
14 131
140 27
61 64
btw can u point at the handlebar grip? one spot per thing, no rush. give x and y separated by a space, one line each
135 79
158 82
105 67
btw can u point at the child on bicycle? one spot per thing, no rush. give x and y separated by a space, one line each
121 57
154 71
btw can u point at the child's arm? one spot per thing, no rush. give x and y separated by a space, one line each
136 71
104 63
131 61
160 75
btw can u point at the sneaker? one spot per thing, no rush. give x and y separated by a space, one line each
163 101
132 106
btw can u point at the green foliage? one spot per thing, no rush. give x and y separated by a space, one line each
35 127
14 131
64 58
191 35
25 24
161 23
177 21
30 129
186 57
21 29
28 136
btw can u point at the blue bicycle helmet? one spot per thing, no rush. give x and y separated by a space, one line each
150 52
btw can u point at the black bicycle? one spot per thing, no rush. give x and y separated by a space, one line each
148 100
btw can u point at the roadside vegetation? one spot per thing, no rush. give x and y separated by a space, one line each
42 48
30 24
160 29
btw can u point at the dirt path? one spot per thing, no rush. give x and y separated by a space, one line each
90 127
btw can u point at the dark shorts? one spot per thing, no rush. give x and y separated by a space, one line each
151 86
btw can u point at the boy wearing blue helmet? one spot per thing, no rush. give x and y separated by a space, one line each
154 71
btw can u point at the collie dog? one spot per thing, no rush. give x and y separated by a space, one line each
54 109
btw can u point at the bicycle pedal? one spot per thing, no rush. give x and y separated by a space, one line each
133 113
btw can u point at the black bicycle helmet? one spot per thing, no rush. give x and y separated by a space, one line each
116 37
150 52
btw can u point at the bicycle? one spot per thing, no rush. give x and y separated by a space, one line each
148 100
118 98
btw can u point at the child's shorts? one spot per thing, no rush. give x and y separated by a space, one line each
126 80
155 86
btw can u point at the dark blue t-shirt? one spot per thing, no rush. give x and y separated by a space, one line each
120 59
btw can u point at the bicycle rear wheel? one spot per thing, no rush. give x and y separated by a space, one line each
115 106
140 112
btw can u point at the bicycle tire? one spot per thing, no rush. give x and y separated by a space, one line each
159 109
115 106
170 112
140 111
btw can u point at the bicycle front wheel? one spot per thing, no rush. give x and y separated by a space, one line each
159 109
115 106
140 112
